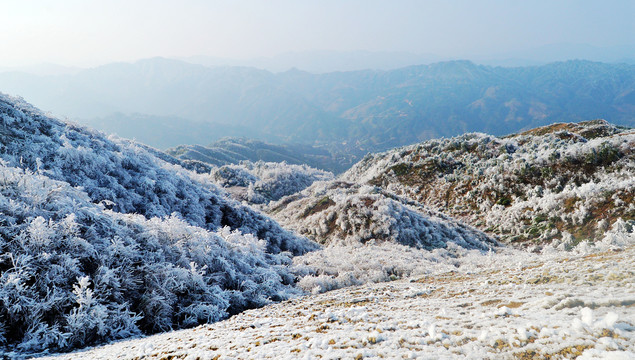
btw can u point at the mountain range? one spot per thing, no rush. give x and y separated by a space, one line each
357 111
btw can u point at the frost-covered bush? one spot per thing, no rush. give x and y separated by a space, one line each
74 274
267 181
126 176
344 213
232 175
339 266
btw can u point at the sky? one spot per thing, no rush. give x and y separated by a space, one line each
90 33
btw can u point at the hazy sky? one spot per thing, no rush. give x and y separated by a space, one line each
87 33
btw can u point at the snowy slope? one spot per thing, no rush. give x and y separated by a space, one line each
563 183
173 252
103 239
74 273
511 305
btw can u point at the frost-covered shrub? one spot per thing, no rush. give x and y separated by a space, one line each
126 175
74 274
264 182
171 252
345 213
232 175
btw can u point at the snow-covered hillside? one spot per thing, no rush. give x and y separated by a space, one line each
338 212
103 239
125 176
74 273
173 252
562 183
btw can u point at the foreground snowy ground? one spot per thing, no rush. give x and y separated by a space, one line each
506 305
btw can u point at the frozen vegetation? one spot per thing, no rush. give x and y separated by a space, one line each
406 255
345 213
101 240
262 182
125 176
74 273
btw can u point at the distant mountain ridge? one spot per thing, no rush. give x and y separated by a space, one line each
228 151
362 110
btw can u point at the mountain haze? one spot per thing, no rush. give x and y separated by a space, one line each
367 110
164 132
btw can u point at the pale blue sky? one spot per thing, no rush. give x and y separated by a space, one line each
87 33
